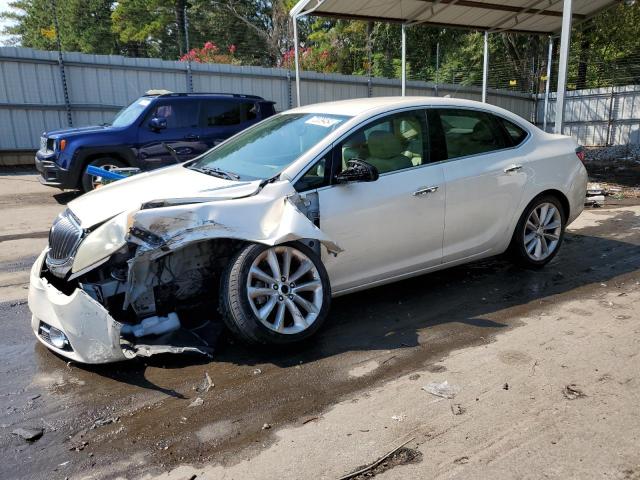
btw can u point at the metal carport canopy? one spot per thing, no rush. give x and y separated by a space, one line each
524 16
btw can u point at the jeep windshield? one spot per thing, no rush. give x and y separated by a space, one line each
130 114
263 151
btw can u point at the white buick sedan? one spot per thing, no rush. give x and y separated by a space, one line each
323 200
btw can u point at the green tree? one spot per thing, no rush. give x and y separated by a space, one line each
85 25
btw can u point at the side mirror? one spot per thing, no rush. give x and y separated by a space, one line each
358 171
158 123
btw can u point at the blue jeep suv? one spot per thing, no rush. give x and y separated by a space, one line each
154 131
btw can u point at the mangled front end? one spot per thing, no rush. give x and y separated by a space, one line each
146 281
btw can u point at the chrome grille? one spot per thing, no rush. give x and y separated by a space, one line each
64 237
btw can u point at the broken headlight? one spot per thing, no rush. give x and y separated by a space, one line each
102 242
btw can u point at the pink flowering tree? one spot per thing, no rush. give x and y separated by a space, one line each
211 53
310 59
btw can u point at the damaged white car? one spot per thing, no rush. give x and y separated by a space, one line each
261 231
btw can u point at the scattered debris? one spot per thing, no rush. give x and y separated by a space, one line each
571 392
206 384
310 419
595 195
257 371
370 470
444 389
505 386
461 460
457 409
266 426
399 418
101 422
34 397
414 376
79 447
30 434
197 402
533 368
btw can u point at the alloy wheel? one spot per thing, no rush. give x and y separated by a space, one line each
285 290
542 231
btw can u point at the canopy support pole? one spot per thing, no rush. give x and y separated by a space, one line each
295 53
548 83
404 59
485 67
565 39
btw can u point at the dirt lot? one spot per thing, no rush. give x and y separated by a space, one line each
545 365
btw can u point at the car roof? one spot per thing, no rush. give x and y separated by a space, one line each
208 95
371 106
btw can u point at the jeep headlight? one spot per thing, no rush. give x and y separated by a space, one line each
102 242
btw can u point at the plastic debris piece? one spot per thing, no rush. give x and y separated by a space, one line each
444 389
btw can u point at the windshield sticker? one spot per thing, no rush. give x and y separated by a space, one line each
144 102
325 122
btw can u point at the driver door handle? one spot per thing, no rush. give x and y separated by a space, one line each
512 168
425 191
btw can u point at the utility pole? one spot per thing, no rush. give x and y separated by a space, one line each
63 76
186 44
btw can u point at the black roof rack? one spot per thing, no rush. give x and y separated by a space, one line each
194 94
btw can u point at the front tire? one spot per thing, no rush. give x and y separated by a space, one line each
539 232
275 295
89 182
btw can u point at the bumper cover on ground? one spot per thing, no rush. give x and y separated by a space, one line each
93 334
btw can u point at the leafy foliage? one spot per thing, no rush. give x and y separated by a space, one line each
605 50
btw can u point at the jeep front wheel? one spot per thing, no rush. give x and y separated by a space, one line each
89 182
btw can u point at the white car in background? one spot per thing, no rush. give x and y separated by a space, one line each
316 202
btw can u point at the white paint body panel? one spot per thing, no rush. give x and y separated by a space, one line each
380 230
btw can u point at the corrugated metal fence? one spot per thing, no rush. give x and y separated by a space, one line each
32 99
598 116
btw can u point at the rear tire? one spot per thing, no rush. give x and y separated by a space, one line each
88 182
539 232
275 295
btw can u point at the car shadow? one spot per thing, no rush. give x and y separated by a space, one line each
475 300
66 196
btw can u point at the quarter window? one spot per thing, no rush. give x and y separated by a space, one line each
221 113
516 133
469 132
316 177
392 143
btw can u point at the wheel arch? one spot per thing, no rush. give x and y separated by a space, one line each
86 156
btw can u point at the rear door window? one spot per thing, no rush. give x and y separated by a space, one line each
179 114
468 132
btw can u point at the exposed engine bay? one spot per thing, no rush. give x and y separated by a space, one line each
159 280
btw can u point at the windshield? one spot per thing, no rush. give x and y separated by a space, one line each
268 148
130 114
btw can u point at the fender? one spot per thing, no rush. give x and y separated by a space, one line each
83 154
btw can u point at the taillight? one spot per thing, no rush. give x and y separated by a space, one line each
580 153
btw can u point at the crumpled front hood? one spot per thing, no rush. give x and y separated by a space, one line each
170 183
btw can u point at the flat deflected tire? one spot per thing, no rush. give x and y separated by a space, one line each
539 232
265 299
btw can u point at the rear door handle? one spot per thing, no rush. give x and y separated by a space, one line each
425 191
192 137
512 168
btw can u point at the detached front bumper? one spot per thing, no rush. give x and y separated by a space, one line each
93 335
